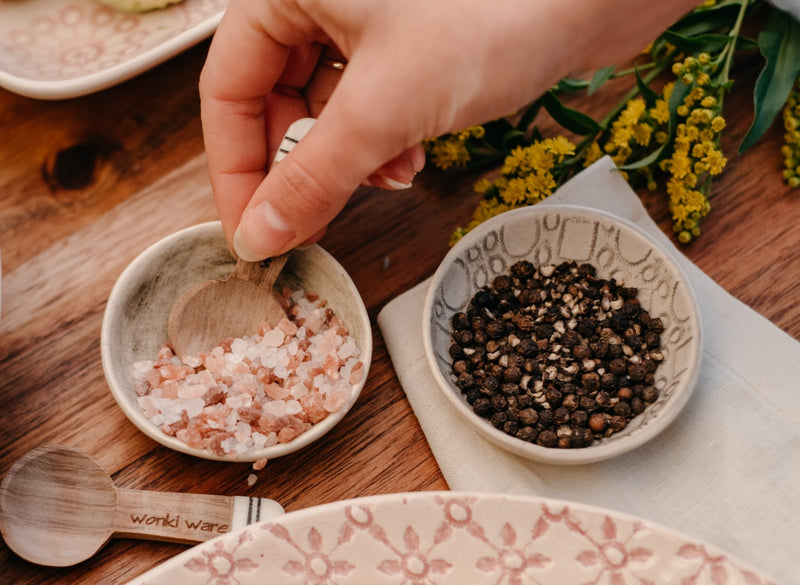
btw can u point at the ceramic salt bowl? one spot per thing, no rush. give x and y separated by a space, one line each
135 322
547 235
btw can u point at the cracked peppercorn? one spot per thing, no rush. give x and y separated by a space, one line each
555 355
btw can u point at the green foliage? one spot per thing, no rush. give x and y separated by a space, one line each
665 132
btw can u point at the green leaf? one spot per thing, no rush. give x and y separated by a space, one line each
572 120
648 94
679 92
495 131
568 85
705 43
512 139
528 116
721 16
600 77
780 44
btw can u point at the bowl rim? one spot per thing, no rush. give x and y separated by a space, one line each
577 456
115 379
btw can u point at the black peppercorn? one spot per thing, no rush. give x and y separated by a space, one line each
527 433
456 351
650 394
482 407
495 329
460 321
522 269
463 337
528 416
498 419
597 422
501 283
547 438
460 366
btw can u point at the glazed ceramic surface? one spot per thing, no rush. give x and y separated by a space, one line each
135 320
451 538
55 49
550 234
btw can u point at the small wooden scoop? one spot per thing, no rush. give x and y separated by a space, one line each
58 507
219 309
213 311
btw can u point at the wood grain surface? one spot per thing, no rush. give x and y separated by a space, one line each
86 184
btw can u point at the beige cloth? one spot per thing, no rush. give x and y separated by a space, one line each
726 472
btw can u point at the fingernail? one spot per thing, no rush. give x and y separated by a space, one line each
261 233
418 159
396 185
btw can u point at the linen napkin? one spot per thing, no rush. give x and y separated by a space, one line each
726 472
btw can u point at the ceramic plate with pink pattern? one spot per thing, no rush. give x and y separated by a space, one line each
452 538
56 49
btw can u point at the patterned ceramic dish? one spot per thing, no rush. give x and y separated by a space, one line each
135 321
452 538
548 235
57 49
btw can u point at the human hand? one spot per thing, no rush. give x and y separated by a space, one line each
415 69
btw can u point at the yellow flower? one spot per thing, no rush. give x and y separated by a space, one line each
448 152
660 111
593 154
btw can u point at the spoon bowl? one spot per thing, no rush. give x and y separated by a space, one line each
58 507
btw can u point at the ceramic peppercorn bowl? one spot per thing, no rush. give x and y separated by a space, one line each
563 334
185 409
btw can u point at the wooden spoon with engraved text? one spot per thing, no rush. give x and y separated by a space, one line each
58 507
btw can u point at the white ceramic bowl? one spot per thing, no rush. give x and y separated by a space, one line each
135 321
549 234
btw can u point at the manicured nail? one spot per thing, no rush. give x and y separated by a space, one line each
395 185
418 158
262 233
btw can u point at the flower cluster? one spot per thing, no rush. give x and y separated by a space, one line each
528 175
452 150
791 139
696 155
666 139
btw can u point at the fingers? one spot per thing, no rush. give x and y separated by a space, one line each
233 106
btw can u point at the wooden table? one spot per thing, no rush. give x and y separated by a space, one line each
86 184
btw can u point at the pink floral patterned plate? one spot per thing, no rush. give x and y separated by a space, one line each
452 538
56 49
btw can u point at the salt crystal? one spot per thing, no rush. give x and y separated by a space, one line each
346 350
273 338
298 390
142 367
275 408
189 391
336 398
239 347
194 406
293 407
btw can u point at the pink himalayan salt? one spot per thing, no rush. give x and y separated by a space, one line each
253 392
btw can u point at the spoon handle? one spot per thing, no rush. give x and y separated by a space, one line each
186 518
263 273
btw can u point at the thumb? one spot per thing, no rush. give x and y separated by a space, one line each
308 187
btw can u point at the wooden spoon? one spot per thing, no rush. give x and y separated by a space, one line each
219 309
58 507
